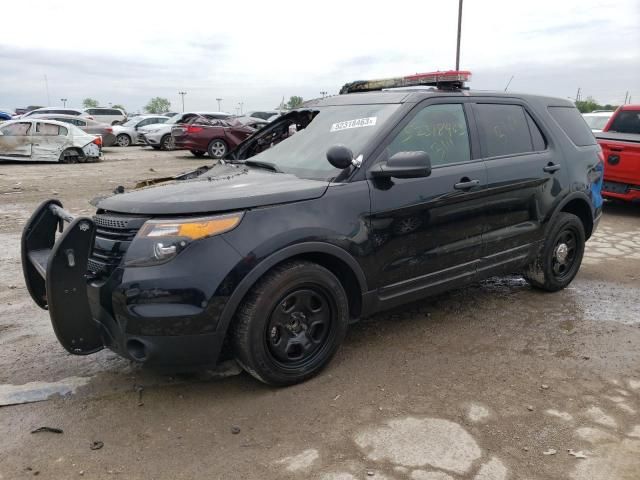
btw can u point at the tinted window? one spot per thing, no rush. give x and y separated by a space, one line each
439 130
92 111
503 129
573 124
626 121
16 129
539 143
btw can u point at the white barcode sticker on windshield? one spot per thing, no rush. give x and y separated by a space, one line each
356 123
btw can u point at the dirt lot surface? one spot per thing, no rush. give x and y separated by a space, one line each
495 381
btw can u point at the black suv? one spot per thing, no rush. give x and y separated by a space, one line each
350 205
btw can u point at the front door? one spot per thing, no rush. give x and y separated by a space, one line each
427 232
15 141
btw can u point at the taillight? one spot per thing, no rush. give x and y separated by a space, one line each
194 129
108 130
98 141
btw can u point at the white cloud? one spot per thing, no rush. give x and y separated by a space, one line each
257 52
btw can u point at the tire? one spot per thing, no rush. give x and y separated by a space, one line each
198 153
217 148
166 142
559 259
69 156
290 324
123 140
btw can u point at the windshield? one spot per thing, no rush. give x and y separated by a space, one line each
132 122
303 153
596 122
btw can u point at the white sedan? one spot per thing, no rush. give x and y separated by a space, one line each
47 140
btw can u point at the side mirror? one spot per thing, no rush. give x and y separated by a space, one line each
340 156
404 165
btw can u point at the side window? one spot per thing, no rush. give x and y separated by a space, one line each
626 121
91 111
63 131
439 130
16 129
503 129
79 123
47 129
539 142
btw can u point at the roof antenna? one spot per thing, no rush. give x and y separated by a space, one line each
509 83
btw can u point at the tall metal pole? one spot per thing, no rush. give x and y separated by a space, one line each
46 84
182 94
64 102
459 34
219 100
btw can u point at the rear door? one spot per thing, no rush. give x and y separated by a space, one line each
15 141
49 140
524 178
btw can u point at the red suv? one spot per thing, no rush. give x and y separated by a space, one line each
203 134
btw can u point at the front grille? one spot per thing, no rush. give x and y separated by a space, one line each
114 233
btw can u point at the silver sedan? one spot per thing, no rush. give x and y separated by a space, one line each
127 134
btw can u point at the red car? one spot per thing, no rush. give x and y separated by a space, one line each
203 135
620 142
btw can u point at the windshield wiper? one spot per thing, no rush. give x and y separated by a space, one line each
260 164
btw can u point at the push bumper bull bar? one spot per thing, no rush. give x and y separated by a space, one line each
56 275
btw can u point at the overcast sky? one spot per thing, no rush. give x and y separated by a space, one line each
257 52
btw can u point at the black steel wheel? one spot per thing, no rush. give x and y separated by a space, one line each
291 323
559 260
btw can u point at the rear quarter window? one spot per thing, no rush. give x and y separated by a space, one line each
572 123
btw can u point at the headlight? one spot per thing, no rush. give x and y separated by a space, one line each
158 241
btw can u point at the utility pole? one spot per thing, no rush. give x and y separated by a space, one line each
182 94
508 83
46 85
219 100
64 102
459 34
240 104
578 98
323 93
625 97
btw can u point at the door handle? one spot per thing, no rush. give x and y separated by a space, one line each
551 167
465 184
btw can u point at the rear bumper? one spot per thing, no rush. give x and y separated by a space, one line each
621 191
160 316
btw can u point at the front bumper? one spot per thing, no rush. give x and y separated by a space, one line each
165 315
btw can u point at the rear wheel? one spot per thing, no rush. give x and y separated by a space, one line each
217 148
167 143
123 140
69 156
291 323
558 262
198 153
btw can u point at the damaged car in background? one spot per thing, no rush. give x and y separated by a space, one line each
47 141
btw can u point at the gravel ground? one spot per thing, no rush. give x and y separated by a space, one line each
494 381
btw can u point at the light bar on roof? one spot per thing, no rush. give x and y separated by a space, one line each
447 80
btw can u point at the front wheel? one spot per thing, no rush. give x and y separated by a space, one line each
558 262
291 323
217 148
167 142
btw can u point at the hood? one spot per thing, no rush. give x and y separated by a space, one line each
223 188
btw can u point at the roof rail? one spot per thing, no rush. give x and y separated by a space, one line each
447 80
